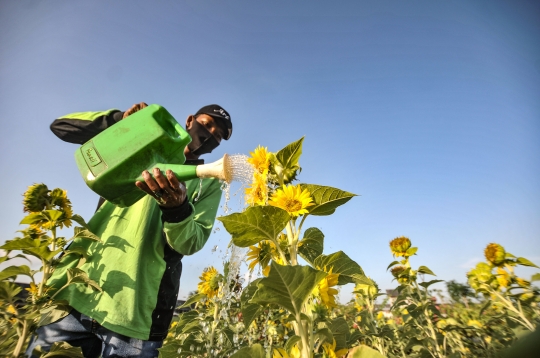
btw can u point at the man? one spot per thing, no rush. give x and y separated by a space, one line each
138 263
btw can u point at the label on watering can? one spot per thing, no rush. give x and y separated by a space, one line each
92 158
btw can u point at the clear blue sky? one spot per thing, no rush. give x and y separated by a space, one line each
429 110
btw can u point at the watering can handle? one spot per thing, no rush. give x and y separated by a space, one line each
182 172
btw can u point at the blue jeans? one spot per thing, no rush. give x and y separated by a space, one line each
82 331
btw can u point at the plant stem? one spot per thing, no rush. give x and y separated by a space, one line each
22 339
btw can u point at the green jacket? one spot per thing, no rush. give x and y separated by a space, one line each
138 263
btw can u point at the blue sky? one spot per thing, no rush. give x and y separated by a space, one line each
429 110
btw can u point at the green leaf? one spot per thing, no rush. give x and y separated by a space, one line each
286 161
349 271
324 335
535 277
411 251
76 275
255 351
340 331
85 234
13 271
326 198
249 312
193 299
425 270
255 224
79 220
59 309
33 218
34 247
291 342
312 245
485 307
392 264
363 351
429 283
8 291
249 291
64 350
524 262
52 215
288 286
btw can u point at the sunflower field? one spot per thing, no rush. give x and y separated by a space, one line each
290 309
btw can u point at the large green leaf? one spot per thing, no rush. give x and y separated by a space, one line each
33 218
286 161
363 351
34 247
255 351
349 271
255 224
288 286
340 331
312 245
13 271
324 335
326 198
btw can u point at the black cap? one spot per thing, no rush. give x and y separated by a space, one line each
217 112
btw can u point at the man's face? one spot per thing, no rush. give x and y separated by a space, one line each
212 125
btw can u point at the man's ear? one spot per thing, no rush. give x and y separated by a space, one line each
189 121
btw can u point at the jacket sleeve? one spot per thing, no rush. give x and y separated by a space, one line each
190 235
80 127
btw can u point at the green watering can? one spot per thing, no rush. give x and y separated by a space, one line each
113 160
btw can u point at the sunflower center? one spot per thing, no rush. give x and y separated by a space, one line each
293 205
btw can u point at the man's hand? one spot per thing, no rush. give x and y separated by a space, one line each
168 191
134 108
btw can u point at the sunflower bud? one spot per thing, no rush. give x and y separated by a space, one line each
400 245
398 273
35 198
495 254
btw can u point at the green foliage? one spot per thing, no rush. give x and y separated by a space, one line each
48 211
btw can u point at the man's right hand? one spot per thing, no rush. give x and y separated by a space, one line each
134 108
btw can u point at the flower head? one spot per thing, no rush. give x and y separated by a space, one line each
326 291
399 273
260 160
495 254
292 199
400 245
261 254
209 284
36 198
257 193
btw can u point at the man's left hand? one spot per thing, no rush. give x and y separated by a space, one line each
168 191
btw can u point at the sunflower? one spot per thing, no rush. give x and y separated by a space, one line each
209 284
260 160
326 292
495 254
260 254
503 278
329 350
36 198
292 199
257 193
60 199
400 245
